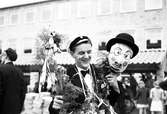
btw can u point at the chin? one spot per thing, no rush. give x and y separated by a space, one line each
85 66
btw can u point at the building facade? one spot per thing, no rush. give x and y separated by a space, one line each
21 24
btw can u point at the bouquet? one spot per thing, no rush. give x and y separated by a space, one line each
70 92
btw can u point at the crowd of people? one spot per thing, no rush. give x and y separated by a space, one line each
97 84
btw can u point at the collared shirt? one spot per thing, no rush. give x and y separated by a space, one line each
87 80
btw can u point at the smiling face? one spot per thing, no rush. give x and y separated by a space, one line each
82 55
119 57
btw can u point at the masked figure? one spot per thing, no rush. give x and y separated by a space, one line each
120 50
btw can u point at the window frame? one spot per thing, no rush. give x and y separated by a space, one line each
14 14
2 16
99 8
122 10
148 2
63 11
33 18
45 9
79 10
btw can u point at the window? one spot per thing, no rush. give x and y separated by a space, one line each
84 8
46 14
29 17
104 7
12 43
14 19
127 5
153 4
153 36
1 20
64 10
28 45
27 50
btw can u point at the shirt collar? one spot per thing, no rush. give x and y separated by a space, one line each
80 69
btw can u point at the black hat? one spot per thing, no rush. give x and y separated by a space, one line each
79 40
11 54
124 38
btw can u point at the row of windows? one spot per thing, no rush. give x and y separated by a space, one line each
66 10
27 44
152 34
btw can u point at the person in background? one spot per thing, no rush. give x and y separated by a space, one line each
163 85
165 102
157 97
128 87
142 98
134 85
12 85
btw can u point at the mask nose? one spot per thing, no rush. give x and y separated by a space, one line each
120 62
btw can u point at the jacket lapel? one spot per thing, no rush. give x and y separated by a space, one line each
74 76
94 77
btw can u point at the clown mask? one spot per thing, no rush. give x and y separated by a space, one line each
119 57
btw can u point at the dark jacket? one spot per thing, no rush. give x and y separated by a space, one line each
12 89
120 101
75 80
163 85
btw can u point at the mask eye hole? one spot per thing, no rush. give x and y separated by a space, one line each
118 51
128 55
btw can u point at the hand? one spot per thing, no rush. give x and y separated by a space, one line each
112 80
58 102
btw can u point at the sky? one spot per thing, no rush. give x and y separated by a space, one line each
5 3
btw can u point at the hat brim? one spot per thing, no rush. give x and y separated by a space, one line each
113 41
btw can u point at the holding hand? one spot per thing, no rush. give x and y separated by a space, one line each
58 102
112 80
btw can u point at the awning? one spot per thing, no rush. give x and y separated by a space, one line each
145 61
149 57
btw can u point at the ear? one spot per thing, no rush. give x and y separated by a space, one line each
71 53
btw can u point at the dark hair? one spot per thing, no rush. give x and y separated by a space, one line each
12 55
77 41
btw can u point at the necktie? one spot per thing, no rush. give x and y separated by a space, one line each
84 72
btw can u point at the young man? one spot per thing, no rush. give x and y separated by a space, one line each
12 84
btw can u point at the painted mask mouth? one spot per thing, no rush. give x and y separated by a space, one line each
119 67
115 69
